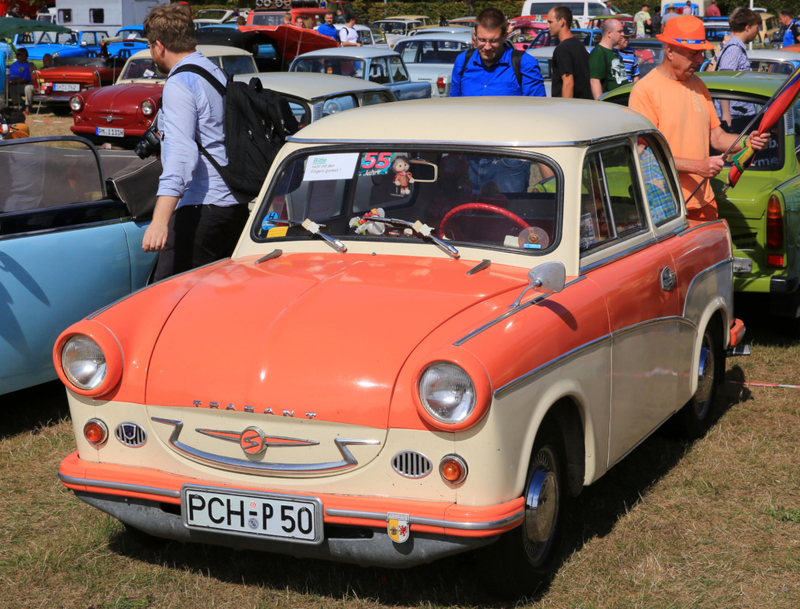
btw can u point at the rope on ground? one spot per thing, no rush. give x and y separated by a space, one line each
763 384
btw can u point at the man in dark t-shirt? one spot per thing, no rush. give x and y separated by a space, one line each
570 65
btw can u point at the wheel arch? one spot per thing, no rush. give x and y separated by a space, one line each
566 416
713 317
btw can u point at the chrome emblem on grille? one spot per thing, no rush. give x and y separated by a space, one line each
111 117
253 441
131 434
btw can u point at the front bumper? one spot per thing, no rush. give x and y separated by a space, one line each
355 526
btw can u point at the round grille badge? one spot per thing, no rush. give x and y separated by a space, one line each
252 441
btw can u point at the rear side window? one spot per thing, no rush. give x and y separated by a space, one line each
408 50
735 115
97 15
399 73
659 187
611 206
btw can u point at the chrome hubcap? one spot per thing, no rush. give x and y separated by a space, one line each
705 382
541 507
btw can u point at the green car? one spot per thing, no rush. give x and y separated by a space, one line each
763 210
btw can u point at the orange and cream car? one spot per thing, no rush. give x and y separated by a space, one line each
424 343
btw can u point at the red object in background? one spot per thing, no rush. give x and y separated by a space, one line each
291 41
24 7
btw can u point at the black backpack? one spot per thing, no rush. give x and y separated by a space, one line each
257 121
516 63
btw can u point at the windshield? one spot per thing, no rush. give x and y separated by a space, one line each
129 34
70 38
267 19
211 13
145 67
330 65
467 198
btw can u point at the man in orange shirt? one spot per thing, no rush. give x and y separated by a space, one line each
680 106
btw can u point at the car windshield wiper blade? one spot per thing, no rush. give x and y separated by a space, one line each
313 228
423 230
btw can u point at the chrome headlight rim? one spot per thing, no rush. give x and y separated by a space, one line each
470 392
148 107
69 360
106 343
76 103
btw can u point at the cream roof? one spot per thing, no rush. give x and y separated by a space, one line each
310 86
479 120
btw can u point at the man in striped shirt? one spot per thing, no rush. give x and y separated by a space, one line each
733 56
628 56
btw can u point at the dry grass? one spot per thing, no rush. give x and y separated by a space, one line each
676 525
46 123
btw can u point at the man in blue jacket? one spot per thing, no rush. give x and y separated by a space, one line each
496 68
327 28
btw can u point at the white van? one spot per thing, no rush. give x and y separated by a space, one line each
582 12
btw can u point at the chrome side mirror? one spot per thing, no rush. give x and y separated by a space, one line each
547 278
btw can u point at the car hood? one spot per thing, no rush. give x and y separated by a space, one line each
309 333
115 98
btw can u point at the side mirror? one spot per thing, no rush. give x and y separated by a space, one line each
547 278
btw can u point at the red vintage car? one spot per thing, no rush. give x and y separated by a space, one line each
57 84
120 114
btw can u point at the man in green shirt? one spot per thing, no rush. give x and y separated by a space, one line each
606 68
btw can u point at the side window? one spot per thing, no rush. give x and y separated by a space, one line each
577 8
399 73
661 191
97 15
595 9
610 203
365 38
408 51
735 115
65 15
379 71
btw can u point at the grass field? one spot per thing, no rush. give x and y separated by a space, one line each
715 524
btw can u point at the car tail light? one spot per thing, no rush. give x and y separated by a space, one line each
95 432
148 107
35 78
774 260
774 224
76 103
440 85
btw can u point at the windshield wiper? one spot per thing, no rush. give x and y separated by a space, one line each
421 229
313 228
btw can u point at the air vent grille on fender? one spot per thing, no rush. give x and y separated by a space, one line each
131 434
411 464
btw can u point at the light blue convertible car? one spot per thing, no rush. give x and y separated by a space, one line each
67 247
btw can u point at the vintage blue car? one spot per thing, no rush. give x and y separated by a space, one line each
129 38
377 65
64 44
67 247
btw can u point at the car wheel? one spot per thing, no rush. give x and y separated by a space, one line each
698 413
525 558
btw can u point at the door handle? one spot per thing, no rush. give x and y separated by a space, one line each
668 279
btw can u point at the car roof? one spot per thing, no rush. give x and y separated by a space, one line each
551 122
412 17
756 83
541 52
209 50
406 19
460 37
310 86
443 29
353 52
774 54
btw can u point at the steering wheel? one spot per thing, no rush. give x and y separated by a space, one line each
486 207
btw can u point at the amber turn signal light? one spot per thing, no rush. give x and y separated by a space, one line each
96 432
453 469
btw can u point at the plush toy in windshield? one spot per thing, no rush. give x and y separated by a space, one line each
402 175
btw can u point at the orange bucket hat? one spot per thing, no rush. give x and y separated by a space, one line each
687 32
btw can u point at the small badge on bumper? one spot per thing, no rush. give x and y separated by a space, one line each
397 526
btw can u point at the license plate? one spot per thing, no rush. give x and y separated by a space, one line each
253 514
66 86
110 131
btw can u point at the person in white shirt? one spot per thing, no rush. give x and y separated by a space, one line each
348 35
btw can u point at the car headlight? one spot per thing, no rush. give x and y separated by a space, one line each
76 103
447 392
148 107
83 362
331 107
